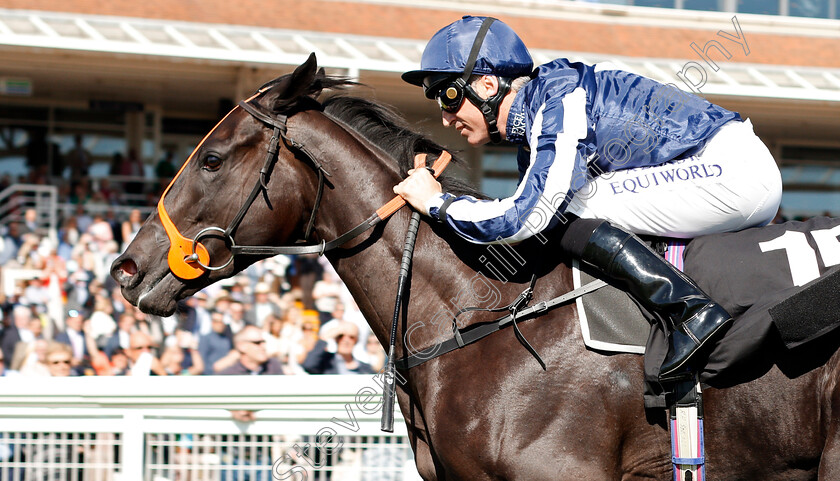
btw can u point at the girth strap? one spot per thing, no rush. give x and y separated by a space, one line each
470 334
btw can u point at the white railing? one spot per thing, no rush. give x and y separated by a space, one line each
181 428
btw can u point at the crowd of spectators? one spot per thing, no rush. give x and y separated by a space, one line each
65 316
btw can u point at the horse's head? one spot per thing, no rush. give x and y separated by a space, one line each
186 245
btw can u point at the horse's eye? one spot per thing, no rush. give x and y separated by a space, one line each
212 162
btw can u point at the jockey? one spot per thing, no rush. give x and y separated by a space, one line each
604 154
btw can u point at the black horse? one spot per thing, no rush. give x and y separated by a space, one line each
486 411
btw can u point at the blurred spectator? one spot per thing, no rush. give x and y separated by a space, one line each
54 264
36 327
83 220
35 293
292 342
310 328
235 318
102 323
275 344
30 358
326 294
165 169
40 151
76 290
100 231
182 357
59 360
17 331
90 258
74 337
11 242
221 301
339 315
80 195
78 159
131 226
333 354
240 290
263 306
141 360
30 223
375 354
5 371
120 338
216 344
121 305
68 236
308 271
107 193
119 363
198 303
28 255
253 359
117 160
133 167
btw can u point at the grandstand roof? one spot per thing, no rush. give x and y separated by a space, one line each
261 46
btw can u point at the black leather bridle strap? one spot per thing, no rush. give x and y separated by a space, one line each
270 157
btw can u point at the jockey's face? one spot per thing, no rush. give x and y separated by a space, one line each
468 120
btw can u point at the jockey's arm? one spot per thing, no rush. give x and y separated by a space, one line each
553 160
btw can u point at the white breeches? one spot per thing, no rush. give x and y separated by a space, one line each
734 183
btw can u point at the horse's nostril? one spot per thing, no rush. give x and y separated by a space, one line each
128 268
124 271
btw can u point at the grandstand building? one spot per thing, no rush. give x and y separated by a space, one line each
152 77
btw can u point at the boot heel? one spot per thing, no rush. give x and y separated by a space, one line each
691 338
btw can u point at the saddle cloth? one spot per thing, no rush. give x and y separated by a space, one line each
610 319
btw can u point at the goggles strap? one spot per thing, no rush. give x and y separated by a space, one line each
489 107
479 40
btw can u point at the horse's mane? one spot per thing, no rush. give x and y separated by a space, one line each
387 129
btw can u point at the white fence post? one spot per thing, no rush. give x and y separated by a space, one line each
132 447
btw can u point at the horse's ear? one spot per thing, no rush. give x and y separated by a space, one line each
298 84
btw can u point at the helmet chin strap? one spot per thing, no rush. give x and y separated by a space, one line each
490 107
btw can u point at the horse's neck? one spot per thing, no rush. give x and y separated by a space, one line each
442 280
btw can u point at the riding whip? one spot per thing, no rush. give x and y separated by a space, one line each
390 389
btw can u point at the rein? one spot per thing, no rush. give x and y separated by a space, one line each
189 258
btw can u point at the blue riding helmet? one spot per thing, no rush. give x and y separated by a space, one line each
472 45
502 53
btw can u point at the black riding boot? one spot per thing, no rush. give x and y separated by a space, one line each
661 289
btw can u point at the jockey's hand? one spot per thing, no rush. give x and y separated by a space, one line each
418 188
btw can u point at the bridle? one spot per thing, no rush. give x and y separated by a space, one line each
188 258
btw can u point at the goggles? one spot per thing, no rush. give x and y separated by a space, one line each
446 89
451 97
